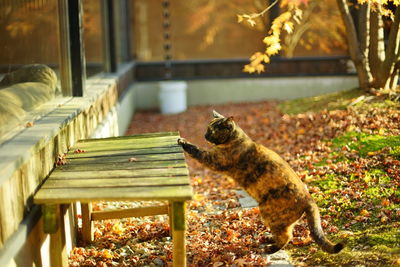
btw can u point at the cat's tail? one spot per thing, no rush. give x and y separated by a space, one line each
314 222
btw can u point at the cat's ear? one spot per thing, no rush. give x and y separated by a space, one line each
230 118
217 115
229 122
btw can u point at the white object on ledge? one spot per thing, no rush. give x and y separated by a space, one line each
172 97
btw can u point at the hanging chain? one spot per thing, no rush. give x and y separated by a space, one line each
167 40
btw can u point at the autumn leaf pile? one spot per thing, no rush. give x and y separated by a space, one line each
350 160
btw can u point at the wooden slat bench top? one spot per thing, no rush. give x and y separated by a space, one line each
128 168
137 167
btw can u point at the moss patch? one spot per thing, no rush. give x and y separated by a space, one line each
361 199
339 100
375 246
368 144
357 252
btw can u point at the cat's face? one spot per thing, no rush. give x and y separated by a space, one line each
220 130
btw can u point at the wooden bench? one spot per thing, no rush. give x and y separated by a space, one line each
130 168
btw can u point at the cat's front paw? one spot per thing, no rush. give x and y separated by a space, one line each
181 141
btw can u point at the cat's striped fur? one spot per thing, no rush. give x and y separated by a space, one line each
281 195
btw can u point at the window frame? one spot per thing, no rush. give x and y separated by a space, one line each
233 67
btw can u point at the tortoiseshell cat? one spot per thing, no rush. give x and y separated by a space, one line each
281 195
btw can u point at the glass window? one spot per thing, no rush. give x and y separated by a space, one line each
93 36
29 58
147 30
200 29
208 29
121 31
25 37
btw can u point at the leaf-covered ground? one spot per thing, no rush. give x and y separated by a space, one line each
349 158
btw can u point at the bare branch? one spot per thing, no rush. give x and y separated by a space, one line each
268 8
351 33
393 49
364 76
250 17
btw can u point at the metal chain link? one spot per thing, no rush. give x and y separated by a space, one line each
167 40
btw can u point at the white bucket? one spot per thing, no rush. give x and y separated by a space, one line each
172 97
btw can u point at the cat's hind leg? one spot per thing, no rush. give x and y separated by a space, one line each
282 234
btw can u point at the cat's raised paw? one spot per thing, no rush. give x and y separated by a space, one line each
181 141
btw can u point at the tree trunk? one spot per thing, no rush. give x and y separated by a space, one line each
357 51
394 78
391 65
377 50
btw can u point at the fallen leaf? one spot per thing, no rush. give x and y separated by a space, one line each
385 202
364 212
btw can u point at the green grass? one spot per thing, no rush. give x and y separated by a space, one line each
375 246
363 206
336 101
368 143
369 241
372 240
339 100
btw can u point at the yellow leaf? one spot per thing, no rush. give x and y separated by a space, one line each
288 27
107 254
251 22
272 39
240 18
364 212
345 234
197 180
198 197
276 29
273 49
284 16
298 14
260 68
301 131
249 69
257 56
118 229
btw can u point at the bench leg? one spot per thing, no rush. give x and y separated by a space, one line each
178 219
54 224
87 223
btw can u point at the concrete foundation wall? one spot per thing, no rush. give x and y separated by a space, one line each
27 158
203 92
125 109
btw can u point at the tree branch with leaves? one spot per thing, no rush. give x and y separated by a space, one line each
374 49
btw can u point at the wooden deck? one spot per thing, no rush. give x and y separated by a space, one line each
139 167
